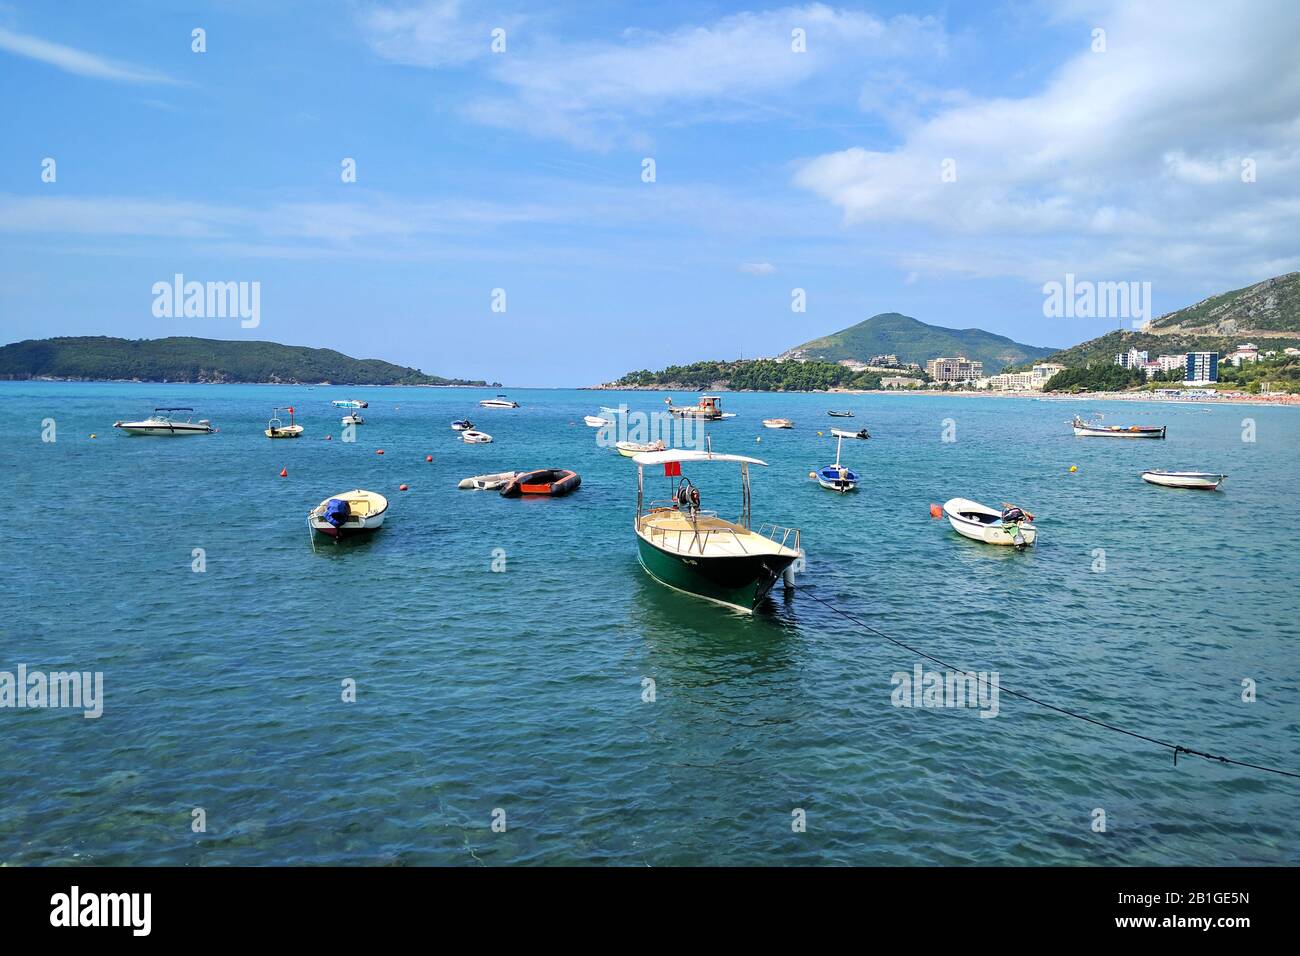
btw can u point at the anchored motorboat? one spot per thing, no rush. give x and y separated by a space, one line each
350 403
595 421
348 513
630 449
834 414
861 434
555 482
488 482
277 429
777 423
354 418
709 407
1009 526
164 421
499 402
1201 480
1098 430
473 437
462 425
837 477
693 550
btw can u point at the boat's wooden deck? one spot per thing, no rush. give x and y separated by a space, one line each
707 535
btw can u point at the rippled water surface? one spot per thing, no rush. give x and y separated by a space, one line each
522 690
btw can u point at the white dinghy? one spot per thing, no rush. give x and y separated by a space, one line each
1201 480
488 482
472 437
595 421
1010 526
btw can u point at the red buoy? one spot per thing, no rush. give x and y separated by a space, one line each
428 458
284 472
401 487
379 451
936 511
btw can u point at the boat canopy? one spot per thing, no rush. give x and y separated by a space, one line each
690 454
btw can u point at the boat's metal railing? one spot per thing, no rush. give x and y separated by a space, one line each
770 531
698 537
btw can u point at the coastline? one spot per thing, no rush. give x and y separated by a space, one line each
1218 399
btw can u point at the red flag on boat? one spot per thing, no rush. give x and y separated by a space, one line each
290 409
672 469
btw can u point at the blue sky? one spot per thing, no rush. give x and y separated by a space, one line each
522 170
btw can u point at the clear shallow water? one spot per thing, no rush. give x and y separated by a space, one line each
522 690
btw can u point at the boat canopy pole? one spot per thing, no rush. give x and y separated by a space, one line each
744 493
640 491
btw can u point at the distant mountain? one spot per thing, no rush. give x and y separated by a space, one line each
1267 313
185 359
914 341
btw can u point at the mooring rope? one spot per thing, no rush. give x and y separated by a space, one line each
1176 748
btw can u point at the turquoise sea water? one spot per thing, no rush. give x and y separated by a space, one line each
522 690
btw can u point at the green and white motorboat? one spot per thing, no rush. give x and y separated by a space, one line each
696 551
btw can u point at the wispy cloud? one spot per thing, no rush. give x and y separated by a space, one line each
598 94
72 60
758 268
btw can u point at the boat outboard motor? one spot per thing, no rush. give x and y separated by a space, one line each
337 512
1012 514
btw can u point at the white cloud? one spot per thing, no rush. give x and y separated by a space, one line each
1128 158
71 60
597 94
758 268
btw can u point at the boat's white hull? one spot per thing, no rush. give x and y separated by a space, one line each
287 431
630 449
842 486
491 403
165 431
778 423
356 523
1201 481
475 438
352 420
841 433
1083 431
995 532
596 422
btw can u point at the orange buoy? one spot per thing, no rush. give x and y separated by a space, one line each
284 472
936 511
379 451
401 487
428 458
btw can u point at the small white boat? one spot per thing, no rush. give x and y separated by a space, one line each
462 425
488 482
1084 429
348 513
630 449
499 402
595 421
1010 526
353 419
277 429
860 434
163 422
472 437
1183 479
350 403
777 423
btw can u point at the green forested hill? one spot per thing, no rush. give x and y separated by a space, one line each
915 341
760 375
185 359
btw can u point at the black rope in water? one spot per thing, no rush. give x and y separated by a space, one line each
1176 748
